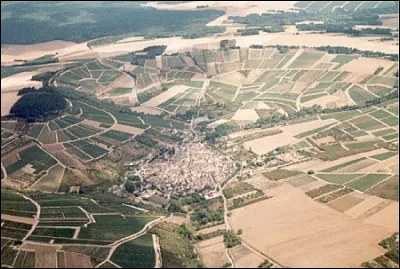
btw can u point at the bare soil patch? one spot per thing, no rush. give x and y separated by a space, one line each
77 260
246 115
212 252
369 203
313 185
266 144
68 160
365 65
231 78
54 148
244 258
387 217
176 219
128 129
293 228
382 165
161 98
17 219
45 259
211 229
343 203
10 159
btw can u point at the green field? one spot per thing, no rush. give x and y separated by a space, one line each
35 153
341 116
130 120
92 113
306 59
380 114
306 98
384 156
391 121
367 181
54 232
337 178
138 253
120 91
343 59
78 153
61 212
359 95
367 123
314 131
238 189
336 167
80 132
117 135
90 149
280 173
13 204
109 76
113 227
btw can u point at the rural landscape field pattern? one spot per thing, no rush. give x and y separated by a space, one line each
200 155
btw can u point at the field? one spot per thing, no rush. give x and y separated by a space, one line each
367 181
387 189
101 229
244 258
120 91
51 181
138 253
212 252
238 189
289 215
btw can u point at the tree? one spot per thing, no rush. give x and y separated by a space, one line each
129 186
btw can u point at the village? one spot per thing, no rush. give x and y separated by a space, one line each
183 170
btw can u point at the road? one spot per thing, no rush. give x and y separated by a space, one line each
37 216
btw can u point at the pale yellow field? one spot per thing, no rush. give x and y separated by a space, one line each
346 202
324 101
211 229
390 20
266 144
386 217
231 78
381 165
243 257
312 185
176 219
216 123
128 129
369 203
212 252
246 115
147 110
17 219
299 232
365 65
10 87
161 98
